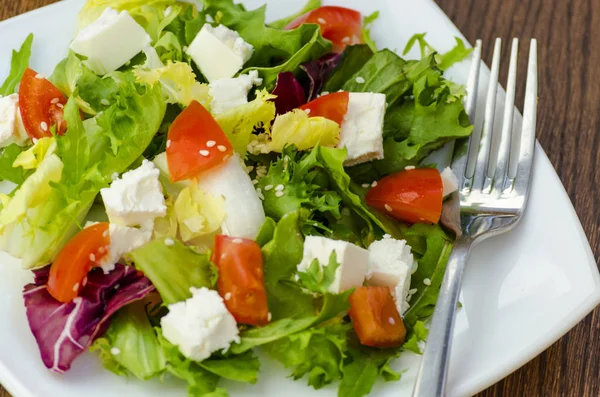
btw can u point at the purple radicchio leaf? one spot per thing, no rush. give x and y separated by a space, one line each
65 330
290 94
318 73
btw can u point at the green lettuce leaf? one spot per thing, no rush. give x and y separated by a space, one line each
140 352
174 268
352 60
240 368
297 128
418 333
18 63
444 61
308 7
365 366
8 155
319 278
366 34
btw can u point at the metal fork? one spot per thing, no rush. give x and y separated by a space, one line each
493 192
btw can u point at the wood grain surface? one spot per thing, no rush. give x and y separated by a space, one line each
568 32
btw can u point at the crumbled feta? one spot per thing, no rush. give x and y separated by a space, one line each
362 128
219 52
244 213
11 124
200 325
110 41
123 240
390 265
228 93
449 181
136 198
352 259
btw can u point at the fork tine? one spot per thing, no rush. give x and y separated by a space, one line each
485 144
499 162
520 173
459 163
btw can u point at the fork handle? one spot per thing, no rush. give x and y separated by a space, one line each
432 376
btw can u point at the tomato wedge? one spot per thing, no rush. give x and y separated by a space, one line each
342 26
40 104
413 196
241 279
195 143
331 106
72 264
375 317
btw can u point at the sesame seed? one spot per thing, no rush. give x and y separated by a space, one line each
279 188
365 185
388 208
104 102
76 287
346 39
101 250
269 316
85 280
40 76
392 321
228 296
168 143
210 143
221 148
321 20
325 93
268 187
280 194
360 80
60 105
307 111
237 241
427 281
169 242
204 153
297 277
412 291
254 182
167 11
374 184
409 167
105 234
44 126
55 100
93 257
408 298
115 351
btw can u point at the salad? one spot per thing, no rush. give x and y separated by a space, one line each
193 184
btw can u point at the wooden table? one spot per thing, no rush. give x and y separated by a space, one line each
568 129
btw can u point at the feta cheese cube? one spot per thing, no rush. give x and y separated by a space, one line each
390 265
449 181
244 213
362 128
136 198
219 52
123 240
228 93
11 124
200 325
110 41
353 261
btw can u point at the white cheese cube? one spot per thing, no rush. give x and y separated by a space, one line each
229 93
136 198
244 213
123 240
449 181
353 261
362 128
219 52
200 325
390 265
110 41
11 124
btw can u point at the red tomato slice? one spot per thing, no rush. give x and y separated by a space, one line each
241 279
331 106
342 26
195 143
413 196
375 317
72 264
40 104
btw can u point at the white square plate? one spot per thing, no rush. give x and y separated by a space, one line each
522 291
